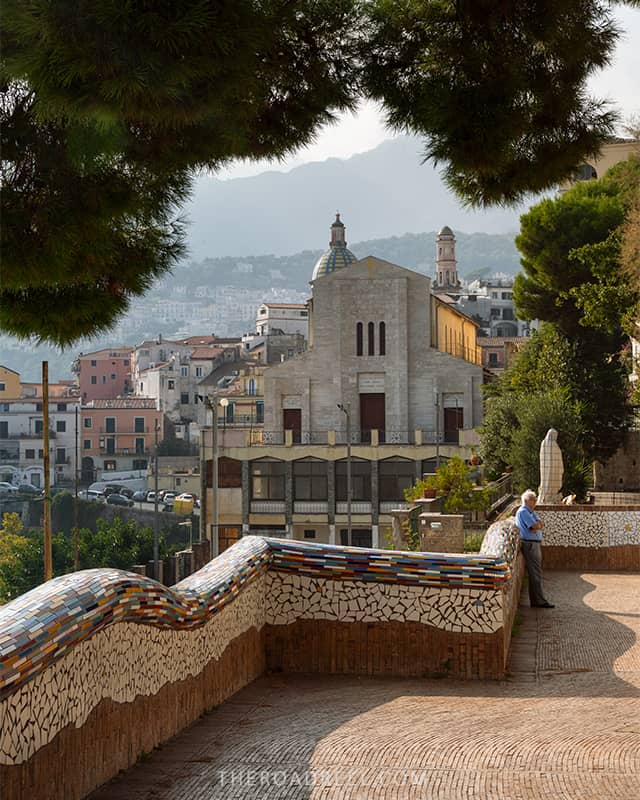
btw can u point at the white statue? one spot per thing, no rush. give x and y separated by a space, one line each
551 469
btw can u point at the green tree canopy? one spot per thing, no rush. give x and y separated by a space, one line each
109 108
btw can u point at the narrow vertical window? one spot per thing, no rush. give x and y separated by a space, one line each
371 330
359 336
383 339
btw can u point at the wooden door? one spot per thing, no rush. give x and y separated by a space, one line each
453 422
292 421
372 416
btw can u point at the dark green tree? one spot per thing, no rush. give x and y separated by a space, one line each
108 109
516 423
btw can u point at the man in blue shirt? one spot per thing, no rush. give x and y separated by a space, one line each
530 526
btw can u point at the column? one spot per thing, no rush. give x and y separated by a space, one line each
246 494
375 493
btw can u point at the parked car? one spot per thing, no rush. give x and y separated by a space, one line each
139 497
27 488
7 488
168 497
187 496
151 497
116 499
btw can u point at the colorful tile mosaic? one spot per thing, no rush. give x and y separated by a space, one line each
389 566
143 634
502 540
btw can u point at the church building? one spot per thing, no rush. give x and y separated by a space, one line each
392 370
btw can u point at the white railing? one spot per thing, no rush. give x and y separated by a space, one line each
399 505
357 507
310 507
267 506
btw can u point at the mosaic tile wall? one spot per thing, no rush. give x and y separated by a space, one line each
139 635
292 597
591 527
130 660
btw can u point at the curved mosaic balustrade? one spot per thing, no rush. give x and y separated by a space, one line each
502 540
42 625
143 635
487 571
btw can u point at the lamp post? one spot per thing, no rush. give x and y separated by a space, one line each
212 403
156 519
346 410
436 403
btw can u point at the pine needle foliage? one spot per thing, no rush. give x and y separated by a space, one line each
110 107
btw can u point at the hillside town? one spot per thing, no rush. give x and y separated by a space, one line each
276 391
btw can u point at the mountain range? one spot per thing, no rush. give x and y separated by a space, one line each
385 192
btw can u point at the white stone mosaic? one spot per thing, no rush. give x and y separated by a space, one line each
290 597
591 528
624 527
120 662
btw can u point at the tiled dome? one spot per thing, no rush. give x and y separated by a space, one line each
338 256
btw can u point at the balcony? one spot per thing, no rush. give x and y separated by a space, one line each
386 507
357 507
125 451
267 507
120 432
262 438
310 507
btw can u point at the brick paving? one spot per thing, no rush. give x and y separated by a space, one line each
565 725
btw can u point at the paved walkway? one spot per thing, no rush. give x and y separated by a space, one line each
564 726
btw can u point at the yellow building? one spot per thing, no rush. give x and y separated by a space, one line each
452 331
9 384
612 153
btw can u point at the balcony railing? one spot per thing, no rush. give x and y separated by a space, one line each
386 506
357 507
310 507
125 451
120 432
267 507
258 437
29 435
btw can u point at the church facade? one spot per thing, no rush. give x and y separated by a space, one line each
392 373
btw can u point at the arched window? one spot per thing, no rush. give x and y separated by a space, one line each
359 336
371 337
383 339
251 388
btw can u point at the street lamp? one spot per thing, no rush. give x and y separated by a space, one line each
346 410
212 403
156 518
436 404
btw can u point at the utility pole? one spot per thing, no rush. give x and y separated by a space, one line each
48 559
75 500
214 477
156 520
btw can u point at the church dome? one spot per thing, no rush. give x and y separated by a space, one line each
338 256
446 231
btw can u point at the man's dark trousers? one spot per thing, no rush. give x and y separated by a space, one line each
532 552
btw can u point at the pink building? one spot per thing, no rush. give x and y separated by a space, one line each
105 374
118 435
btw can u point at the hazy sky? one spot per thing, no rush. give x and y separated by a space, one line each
365 130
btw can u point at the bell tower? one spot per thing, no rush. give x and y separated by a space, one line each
446 277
